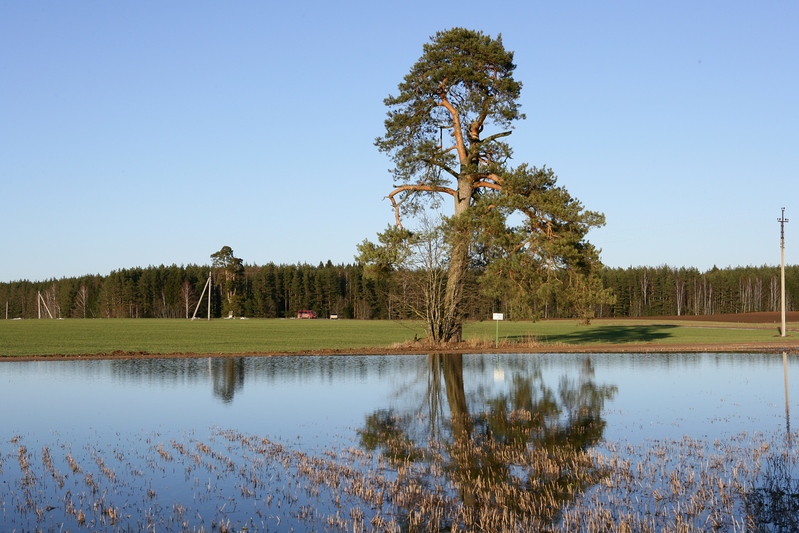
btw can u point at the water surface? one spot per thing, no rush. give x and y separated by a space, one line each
158 433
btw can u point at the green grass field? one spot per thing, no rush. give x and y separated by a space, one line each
642 331
162 336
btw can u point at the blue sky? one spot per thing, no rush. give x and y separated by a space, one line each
146 133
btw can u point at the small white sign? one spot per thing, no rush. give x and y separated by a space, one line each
499 316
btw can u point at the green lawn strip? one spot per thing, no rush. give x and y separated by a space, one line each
166 336
162 336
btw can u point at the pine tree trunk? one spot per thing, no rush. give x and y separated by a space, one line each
451 328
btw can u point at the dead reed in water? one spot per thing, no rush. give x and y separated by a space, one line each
233 481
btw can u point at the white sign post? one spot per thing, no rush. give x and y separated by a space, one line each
497 318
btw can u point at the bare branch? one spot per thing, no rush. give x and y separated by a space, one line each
487 185
482 178
411 189
496 136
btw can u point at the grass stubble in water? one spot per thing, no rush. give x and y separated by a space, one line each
231 481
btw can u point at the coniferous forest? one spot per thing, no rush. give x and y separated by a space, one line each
348 291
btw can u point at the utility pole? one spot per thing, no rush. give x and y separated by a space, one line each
782 220
787 403
208 288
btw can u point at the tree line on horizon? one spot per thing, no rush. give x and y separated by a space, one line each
346 290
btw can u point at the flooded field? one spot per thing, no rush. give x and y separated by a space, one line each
665 442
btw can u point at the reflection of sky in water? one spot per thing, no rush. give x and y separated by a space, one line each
704 395
324 399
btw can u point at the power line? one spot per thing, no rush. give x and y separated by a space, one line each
782 222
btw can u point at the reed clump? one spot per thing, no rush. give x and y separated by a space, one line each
477 343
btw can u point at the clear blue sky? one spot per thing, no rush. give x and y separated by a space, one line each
146 133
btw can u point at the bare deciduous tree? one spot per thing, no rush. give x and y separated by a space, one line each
187 296
82 299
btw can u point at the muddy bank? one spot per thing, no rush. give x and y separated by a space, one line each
790 345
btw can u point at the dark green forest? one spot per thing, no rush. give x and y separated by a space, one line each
279 291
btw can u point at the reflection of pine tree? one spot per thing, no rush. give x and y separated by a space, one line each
517 460
228 377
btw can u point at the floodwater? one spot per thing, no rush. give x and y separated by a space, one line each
223 444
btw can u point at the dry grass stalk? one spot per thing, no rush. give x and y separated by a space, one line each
671 486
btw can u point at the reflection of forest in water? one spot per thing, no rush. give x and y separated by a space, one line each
304 369
227 374
510 455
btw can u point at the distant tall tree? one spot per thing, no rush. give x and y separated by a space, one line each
229 271
463 84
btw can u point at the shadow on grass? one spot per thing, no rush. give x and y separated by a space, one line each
610 335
